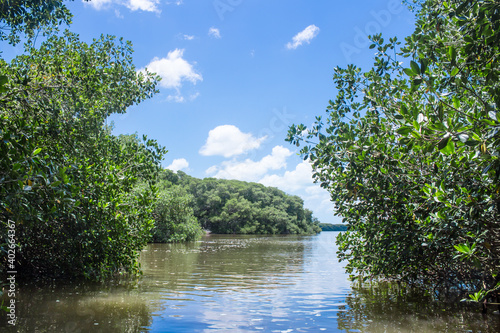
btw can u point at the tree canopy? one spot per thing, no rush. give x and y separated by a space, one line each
231 206
29 17
66 182
409 151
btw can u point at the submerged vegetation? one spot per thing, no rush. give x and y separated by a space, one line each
410 153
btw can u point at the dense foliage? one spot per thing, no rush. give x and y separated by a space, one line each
174 220
231 206
410 152
29 17
66 183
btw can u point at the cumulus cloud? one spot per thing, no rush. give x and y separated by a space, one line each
300 182
133 5
145 5
99 4
293 180
214 32
173 70
305 36
178 164
249 170
228 140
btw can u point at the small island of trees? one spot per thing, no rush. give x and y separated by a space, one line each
188 204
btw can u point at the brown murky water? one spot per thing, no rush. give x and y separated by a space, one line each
240 284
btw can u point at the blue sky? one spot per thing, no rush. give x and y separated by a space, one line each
237 73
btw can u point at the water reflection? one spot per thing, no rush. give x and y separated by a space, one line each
245 283
221 264
390 308
79 308
240 284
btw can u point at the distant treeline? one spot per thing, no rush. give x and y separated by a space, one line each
332 227
188 204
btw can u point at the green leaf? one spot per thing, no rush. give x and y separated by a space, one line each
472 143
444 142
452 52
409 72
404 109
441 215
38 150
449 148
404 130
417 82
423 65
414 67
454 71
56 183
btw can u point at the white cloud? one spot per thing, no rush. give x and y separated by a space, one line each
178 98
228 140
133 5
178 164
118 14
271 171
173 70
188 37
293 180
305 36
145 5
194 96
300 182
214 32
99 4
249 170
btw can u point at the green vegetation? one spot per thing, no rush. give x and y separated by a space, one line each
237 207
66 183
77 201
410 152
332 227
30 17
174 218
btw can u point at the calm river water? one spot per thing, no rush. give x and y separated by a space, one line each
240 284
